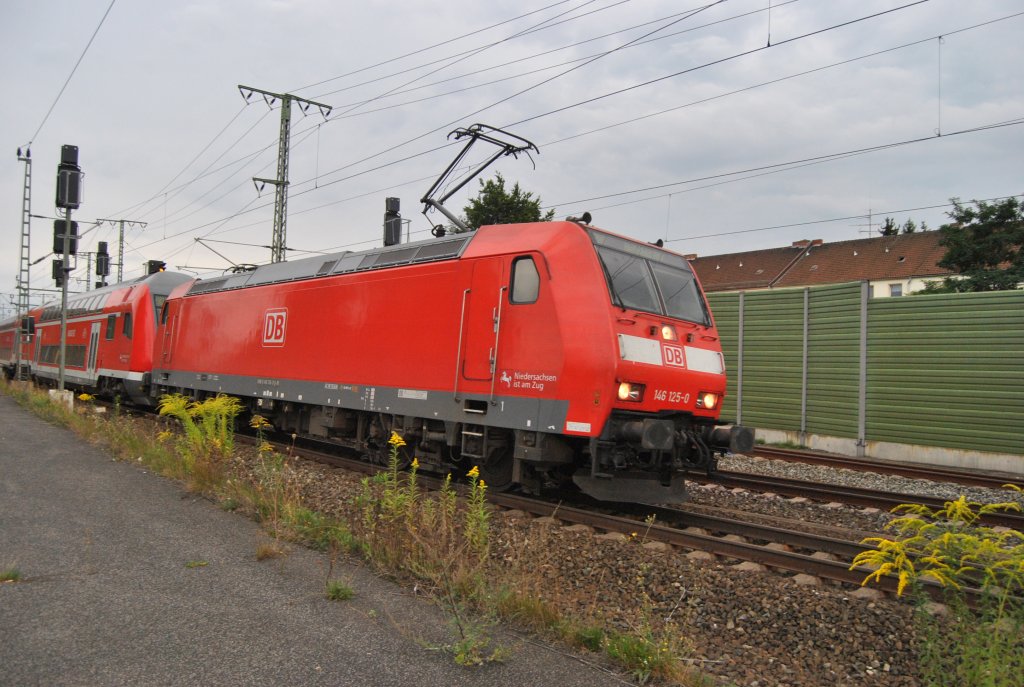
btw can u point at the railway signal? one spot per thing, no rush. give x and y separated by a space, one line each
69 197
57 272
60 230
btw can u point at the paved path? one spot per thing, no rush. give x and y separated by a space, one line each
107 596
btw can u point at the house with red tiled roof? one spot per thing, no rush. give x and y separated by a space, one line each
892 265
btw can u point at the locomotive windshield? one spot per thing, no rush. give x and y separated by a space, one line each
648 279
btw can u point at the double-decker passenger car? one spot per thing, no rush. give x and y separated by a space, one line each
110 337
10 359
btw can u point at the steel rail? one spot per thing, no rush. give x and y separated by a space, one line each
911 470
858 496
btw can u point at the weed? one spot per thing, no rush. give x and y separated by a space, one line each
590 638
11 574
434 540
339 591
784 444
981 646
208 440
196 564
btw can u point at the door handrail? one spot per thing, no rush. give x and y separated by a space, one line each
497 336
458 354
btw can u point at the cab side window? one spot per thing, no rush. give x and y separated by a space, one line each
111 326
525 280
126 326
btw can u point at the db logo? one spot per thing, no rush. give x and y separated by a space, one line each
673 355
274 325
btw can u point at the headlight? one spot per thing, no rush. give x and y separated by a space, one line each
629 391
666 331
707 400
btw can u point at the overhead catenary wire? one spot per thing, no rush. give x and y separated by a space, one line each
816 158
781 166
600 97
349 177
166 187
521 34
779 80
467 55
317 180
429 47
693 12
552 66
723 60
73 70
468 115
830 220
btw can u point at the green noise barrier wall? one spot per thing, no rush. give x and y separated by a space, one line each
942 370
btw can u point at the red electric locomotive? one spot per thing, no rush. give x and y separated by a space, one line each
110 337
543 353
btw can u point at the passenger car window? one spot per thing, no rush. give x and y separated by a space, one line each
525 280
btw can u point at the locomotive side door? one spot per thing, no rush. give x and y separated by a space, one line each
481 324
167 322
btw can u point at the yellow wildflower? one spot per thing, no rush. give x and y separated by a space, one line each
163 436
396 440
85 397
415 464
481 485
259 422
475 472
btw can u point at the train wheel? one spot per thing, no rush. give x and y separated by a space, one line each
496 469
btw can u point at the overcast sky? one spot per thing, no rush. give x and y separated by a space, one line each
697 156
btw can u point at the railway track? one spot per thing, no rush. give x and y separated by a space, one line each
726 536
911 470
857 496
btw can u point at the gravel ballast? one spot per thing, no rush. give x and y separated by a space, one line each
746 628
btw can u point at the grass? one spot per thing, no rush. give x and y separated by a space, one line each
11 574
339 591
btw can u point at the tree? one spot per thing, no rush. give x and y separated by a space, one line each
890 228
495 205
984 246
